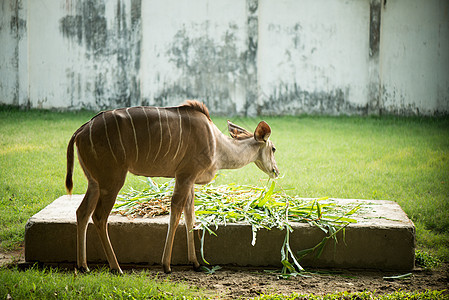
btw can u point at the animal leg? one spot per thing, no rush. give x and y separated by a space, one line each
175 215
189 215
100 217
83 213
180 195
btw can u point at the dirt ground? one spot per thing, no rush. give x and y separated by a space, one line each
233 282
238 282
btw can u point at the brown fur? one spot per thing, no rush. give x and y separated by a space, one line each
196 105
175 142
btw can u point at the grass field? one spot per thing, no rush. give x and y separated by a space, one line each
400 159
99 284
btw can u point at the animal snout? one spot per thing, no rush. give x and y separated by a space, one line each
275 172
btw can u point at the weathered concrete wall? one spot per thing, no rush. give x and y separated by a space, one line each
415 57
8 54
239 57
200 49
72 54
92 50
313 56
13 45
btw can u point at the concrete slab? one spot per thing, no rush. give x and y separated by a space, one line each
383 238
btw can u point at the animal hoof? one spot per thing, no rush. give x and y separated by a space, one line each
197 267
118 272
167 270
82 270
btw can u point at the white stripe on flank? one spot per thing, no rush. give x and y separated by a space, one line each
160 143
107 137
91 123
180 134
169 133
135 135
149 133
190 125
119 134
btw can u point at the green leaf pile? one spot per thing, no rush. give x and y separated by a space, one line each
261 207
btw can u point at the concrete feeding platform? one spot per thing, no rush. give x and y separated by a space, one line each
383 238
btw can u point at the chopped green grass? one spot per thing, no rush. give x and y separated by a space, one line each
258 207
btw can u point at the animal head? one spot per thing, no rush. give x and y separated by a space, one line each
265 158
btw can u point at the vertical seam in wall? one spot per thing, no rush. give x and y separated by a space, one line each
383 7
374 27
14 29
252 14
258 90
374 90
28 88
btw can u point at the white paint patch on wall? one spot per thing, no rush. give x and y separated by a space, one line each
415 57
313 56
48 57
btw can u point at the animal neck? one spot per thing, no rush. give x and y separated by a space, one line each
234 154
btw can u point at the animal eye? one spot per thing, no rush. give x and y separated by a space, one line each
273 149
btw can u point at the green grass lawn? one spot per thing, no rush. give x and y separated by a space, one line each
401 159
99 284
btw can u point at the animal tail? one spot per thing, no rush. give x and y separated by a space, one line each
70 160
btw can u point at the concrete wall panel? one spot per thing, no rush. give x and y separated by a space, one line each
313 56
12 30
415 57
84 54
195 55
239 57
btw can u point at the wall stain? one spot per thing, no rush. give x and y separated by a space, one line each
374 27
105 47
290 99
210 69
252 7
18 30
395 102
112 52
213 68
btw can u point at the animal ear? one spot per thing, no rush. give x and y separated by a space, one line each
262 132
238 132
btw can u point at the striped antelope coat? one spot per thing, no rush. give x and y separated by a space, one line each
179 142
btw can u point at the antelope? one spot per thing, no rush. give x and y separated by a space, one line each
177 142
